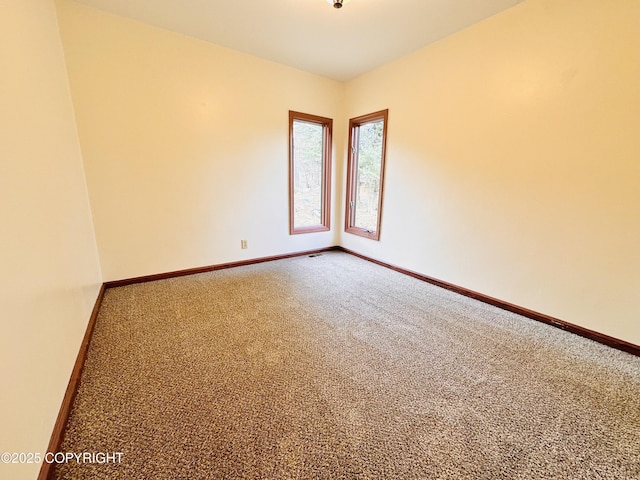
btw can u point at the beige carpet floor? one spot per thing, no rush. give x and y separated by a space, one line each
331 367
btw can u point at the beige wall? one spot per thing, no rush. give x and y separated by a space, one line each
513 165
512 170
511 154
49 270
185 144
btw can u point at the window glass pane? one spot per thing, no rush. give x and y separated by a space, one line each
308 139
365 174
369 148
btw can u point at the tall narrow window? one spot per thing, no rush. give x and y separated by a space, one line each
309 172
365 174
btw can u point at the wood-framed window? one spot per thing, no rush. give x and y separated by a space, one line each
365 174
309 173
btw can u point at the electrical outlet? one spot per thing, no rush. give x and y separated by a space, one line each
243 244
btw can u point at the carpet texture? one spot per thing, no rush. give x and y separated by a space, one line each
333 367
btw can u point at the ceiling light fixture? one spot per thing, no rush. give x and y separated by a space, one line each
338 3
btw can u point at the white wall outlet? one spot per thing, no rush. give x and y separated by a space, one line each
243 244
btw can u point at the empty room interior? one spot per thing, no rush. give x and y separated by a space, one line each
471 312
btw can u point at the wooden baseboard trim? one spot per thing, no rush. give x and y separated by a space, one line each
46 470
211 268
525 312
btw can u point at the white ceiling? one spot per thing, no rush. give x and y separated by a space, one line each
310 34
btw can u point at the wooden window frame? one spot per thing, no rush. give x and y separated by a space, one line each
352 166
325 215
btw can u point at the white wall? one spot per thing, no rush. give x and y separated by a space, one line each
49 269
185 144
513 160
